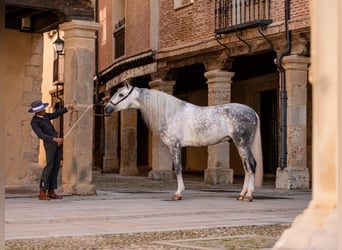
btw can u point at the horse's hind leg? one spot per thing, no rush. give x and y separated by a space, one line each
180 188
177 163
250 191
244 188
249 164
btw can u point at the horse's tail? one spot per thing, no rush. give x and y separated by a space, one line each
257 153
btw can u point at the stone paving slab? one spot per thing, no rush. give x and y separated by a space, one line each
126 206
110 214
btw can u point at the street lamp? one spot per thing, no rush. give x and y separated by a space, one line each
58 44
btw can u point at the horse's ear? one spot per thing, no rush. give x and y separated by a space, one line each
127 84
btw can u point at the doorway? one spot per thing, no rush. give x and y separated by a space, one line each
269 130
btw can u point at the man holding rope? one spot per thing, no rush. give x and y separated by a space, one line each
41 125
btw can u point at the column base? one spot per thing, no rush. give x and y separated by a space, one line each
110 165
78 189
165 175
218 176
129 171
292 178
317 228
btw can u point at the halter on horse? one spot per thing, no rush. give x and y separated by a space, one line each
181 124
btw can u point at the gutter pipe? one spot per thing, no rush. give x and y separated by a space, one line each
283 92
96 101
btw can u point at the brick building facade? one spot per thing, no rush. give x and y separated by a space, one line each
212 52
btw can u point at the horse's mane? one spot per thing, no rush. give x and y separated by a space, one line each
157 107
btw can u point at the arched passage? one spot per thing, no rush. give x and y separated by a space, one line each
255 83
191 86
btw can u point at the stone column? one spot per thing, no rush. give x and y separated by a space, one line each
161 156
296 174
219 92
110 158
128 139
79 38
2 128
319 225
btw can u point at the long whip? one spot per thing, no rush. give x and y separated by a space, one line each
73 126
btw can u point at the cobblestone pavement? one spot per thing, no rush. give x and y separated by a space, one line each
273 211
237 238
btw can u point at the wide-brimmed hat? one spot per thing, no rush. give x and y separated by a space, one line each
37 106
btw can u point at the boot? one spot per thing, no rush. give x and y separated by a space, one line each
43 196
52 195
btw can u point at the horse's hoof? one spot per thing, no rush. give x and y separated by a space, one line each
176 197
240 198
248 198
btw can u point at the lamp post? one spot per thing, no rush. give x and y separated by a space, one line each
58 45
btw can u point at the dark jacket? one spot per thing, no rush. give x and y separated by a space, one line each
43 127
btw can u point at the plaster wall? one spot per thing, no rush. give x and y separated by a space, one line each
47 83
24 55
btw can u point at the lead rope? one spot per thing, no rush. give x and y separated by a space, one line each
73 126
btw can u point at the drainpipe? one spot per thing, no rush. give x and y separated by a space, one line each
283 92
96 54
61 121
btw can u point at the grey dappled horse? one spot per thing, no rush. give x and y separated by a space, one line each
181 124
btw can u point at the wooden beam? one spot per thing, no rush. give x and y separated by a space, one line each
77 10
36 4
47 14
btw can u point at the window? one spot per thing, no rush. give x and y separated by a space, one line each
119 38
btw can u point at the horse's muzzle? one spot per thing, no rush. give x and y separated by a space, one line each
108 109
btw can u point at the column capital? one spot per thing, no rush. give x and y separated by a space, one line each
219 76
79 28
296 62
79 34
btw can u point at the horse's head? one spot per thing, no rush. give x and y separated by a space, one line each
122 99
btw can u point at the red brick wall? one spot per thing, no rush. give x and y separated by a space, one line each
299 9
105 34
137 26
196 22
191 23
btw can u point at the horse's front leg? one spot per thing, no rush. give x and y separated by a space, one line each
177 163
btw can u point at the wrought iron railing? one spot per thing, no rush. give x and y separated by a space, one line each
233 15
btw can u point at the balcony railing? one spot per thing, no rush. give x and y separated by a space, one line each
234 15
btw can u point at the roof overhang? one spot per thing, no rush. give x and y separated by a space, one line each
38 16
